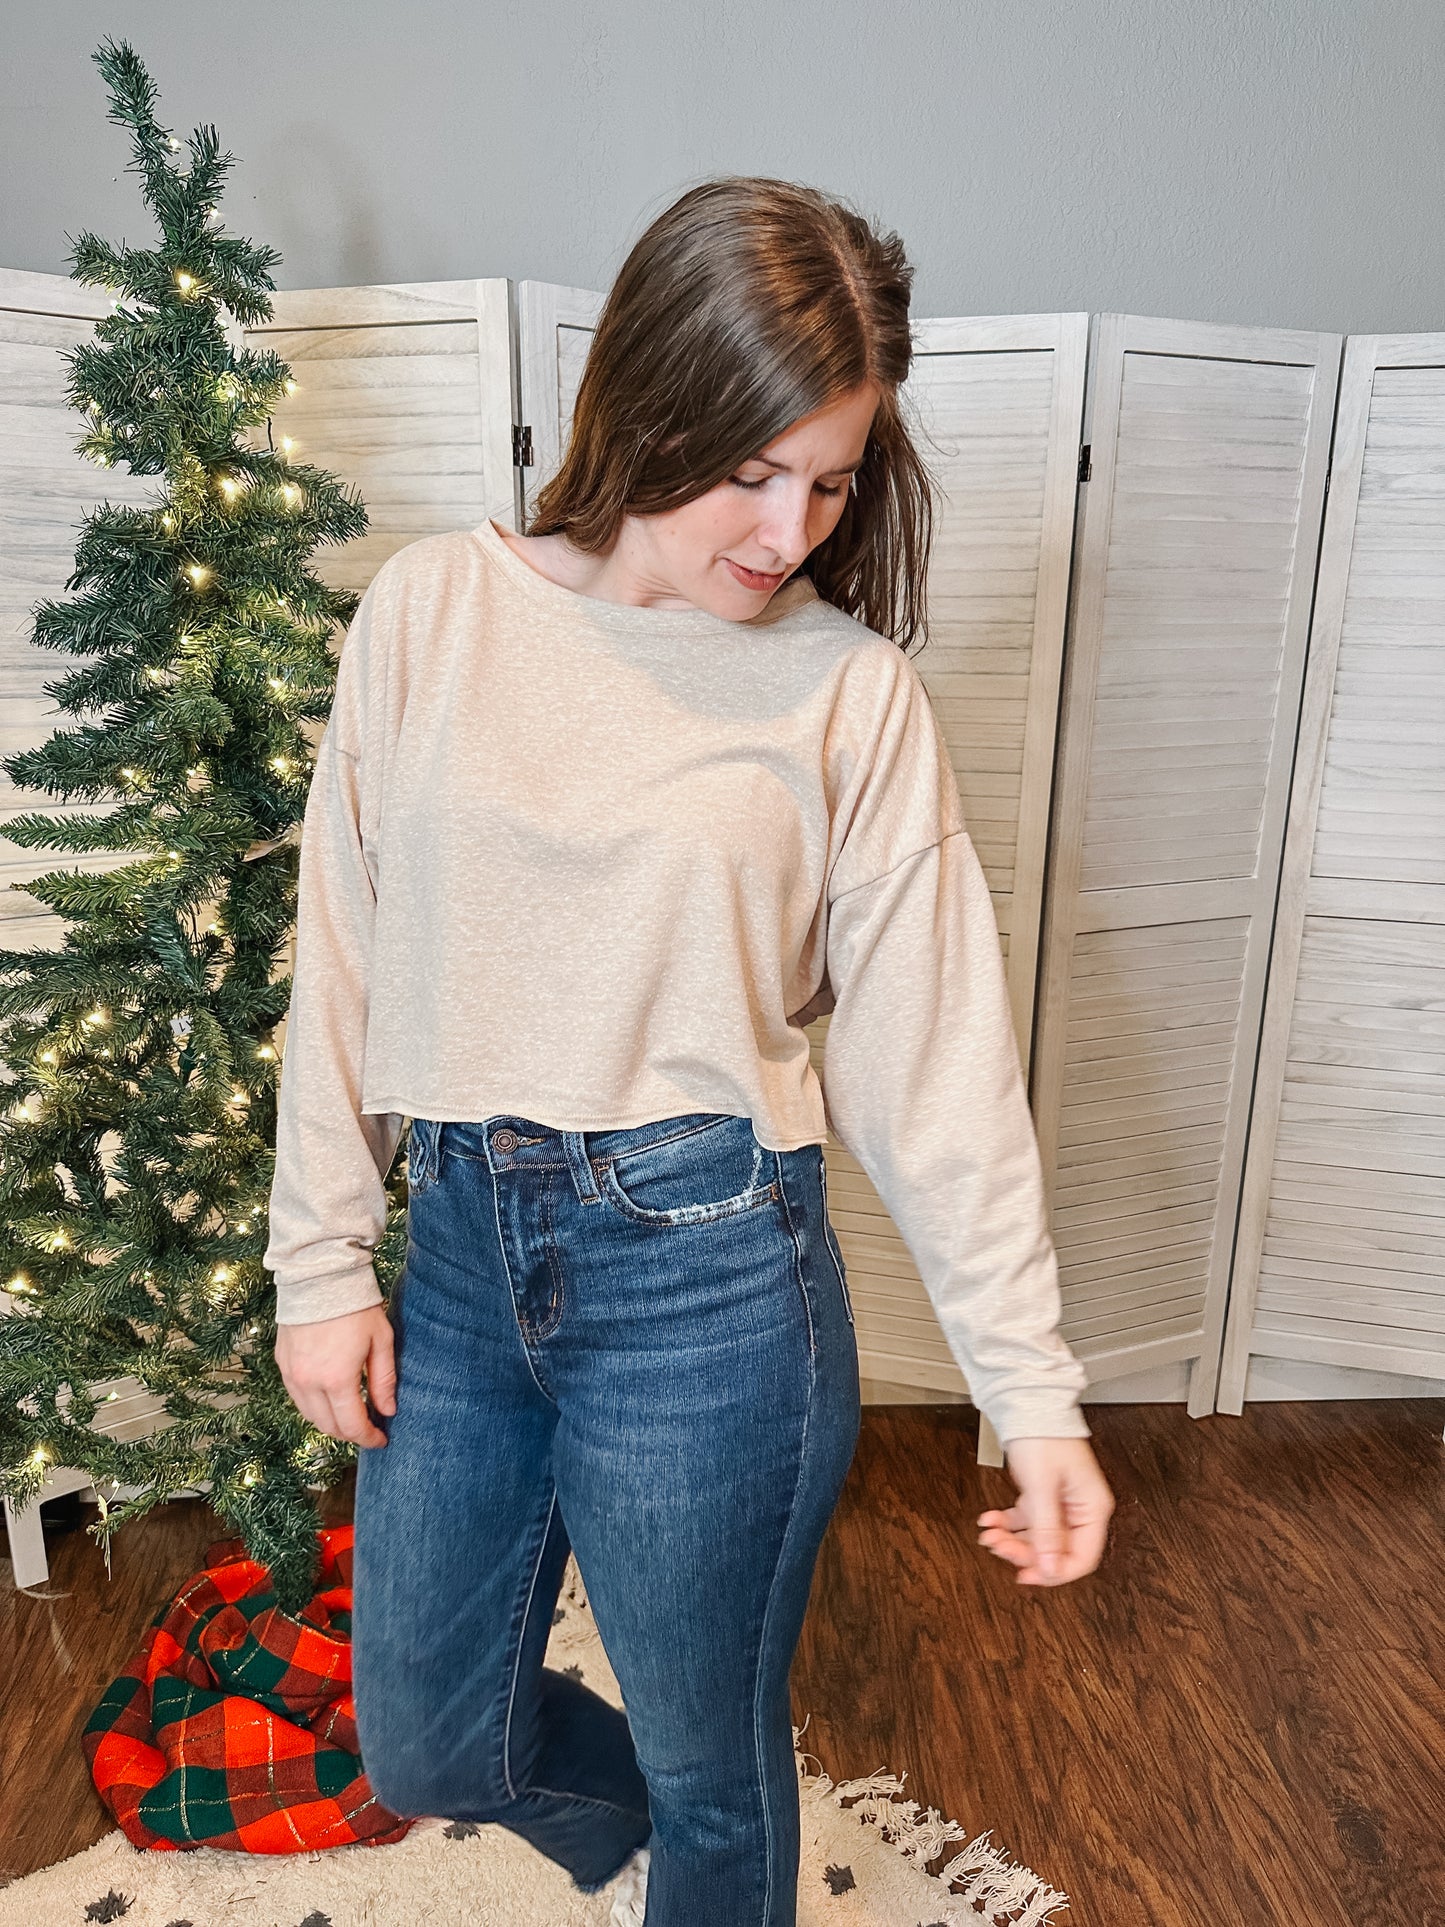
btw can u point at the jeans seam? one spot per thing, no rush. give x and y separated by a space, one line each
777 1568
828 1241
521 1642
512 1287
577 1799
797 1257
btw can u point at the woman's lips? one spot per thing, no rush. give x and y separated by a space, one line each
751 579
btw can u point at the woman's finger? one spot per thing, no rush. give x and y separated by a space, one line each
353 1418
1008 1545
1011 1517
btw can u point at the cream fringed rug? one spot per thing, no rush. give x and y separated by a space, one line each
863 1864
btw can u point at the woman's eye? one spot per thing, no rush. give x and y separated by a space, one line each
738 482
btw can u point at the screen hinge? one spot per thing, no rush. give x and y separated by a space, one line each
1085 470
522 456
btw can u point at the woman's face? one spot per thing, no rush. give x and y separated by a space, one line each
768 516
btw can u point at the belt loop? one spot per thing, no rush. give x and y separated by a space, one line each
422 1151
575 1145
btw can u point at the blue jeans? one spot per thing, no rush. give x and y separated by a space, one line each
637 1343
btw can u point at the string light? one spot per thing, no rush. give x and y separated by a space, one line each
39 1456
198 572
266 1051
287 444
290 387
185 282
20 1283
60 1241
47 1057
97 1016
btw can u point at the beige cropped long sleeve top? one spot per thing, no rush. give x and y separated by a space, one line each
598 863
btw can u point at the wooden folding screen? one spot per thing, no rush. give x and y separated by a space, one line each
998 401
1341 1254
1194 566
1132 839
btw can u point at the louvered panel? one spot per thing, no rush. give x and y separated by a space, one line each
1198 533
405 392
1205 508
1353 1240
1341 1255
1149 1053
46 491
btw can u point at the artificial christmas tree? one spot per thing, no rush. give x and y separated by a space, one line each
140 1057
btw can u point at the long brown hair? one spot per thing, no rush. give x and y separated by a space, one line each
747 304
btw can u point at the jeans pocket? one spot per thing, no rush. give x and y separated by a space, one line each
831 1237
698 1177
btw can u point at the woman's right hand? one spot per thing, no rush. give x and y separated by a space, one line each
322 1365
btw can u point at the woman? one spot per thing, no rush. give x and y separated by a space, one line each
603 815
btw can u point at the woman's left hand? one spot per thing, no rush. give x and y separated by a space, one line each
1057 1529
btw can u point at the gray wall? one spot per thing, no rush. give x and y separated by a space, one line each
1271 161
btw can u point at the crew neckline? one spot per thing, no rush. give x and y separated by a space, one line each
636 617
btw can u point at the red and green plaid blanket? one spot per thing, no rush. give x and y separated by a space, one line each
234 1725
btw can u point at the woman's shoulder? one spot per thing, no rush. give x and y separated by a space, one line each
870 657
425 560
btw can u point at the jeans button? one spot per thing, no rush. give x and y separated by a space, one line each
504 1140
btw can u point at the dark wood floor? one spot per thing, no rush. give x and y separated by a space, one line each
1237 1721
